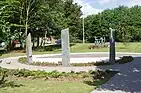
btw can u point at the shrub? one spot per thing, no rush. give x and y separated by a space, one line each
97 78
91 64
125 59
98 75
48 49
44 64
22 73
40 74
22 60
91 77
3 75
35 74
88 80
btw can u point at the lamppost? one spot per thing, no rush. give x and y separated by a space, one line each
83 30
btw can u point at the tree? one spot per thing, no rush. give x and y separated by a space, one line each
72 13
39 17
125 20
6 13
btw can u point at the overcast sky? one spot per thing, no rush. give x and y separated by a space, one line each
94 6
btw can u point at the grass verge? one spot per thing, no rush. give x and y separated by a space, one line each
41 86
23 81
80 48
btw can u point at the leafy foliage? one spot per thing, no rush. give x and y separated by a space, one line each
39 17
23 61
125 59
125 20
3 75
99 77
46 18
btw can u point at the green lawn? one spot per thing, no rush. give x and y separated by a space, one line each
78 48
120 47
56 85
41 86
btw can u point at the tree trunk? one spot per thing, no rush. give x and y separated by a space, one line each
41 42
33 40
21 43
38 41
45 39
26 26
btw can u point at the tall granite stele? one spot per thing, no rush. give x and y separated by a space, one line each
112 46
65 47
29 48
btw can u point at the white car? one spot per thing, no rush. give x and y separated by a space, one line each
2 45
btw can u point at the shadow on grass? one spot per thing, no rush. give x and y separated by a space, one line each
11 84
1 52
95 82
103 78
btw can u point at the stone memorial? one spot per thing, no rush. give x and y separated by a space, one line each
29 48
65 47
112 46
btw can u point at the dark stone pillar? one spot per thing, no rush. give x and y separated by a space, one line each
112 46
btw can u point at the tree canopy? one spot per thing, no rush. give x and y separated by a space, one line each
39 17
126 21
48 17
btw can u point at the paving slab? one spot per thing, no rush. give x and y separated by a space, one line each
128 80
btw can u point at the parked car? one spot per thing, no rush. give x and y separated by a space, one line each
2 45
16 44
58 42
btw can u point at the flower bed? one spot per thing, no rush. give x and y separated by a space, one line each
123 60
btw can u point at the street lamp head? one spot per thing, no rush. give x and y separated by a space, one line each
112 29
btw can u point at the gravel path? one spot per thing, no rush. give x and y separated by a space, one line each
80 57
89 55
14 64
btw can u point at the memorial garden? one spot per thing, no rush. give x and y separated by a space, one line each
48 46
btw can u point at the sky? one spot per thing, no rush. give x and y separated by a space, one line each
90 7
